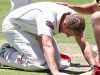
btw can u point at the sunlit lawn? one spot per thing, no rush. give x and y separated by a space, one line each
61 38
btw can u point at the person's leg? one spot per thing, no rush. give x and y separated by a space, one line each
19 3
26 44
96 28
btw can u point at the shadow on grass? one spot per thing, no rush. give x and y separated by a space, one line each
76 65
72 72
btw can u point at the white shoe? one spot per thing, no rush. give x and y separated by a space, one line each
3 48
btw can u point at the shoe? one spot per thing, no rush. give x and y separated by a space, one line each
96 70
3 48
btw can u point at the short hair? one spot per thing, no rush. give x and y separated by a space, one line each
75 23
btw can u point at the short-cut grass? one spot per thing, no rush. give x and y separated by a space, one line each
61 38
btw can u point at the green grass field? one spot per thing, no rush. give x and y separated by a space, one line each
4 10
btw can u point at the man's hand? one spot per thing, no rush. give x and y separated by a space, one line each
96 69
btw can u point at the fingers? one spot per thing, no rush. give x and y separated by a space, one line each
62 3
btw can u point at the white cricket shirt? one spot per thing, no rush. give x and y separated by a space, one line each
40 18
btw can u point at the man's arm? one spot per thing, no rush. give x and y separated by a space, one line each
83 9
86 49
49 54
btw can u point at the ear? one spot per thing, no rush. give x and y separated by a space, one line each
65 24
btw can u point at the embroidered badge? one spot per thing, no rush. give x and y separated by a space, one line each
48 23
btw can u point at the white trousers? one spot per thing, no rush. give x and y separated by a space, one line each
26 44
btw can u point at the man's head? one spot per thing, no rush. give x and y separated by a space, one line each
73 24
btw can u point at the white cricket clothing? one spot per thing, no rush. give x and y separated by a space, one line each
19 3
23 29
40 18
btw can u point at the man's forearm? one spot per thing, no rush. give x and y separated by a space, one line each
83 9
51 60
49 53
86 49
88 54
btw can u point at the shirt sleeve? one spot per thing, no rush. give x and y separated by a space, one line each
45 24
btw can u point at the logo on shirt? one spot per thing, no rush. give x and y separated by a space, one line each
48 23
